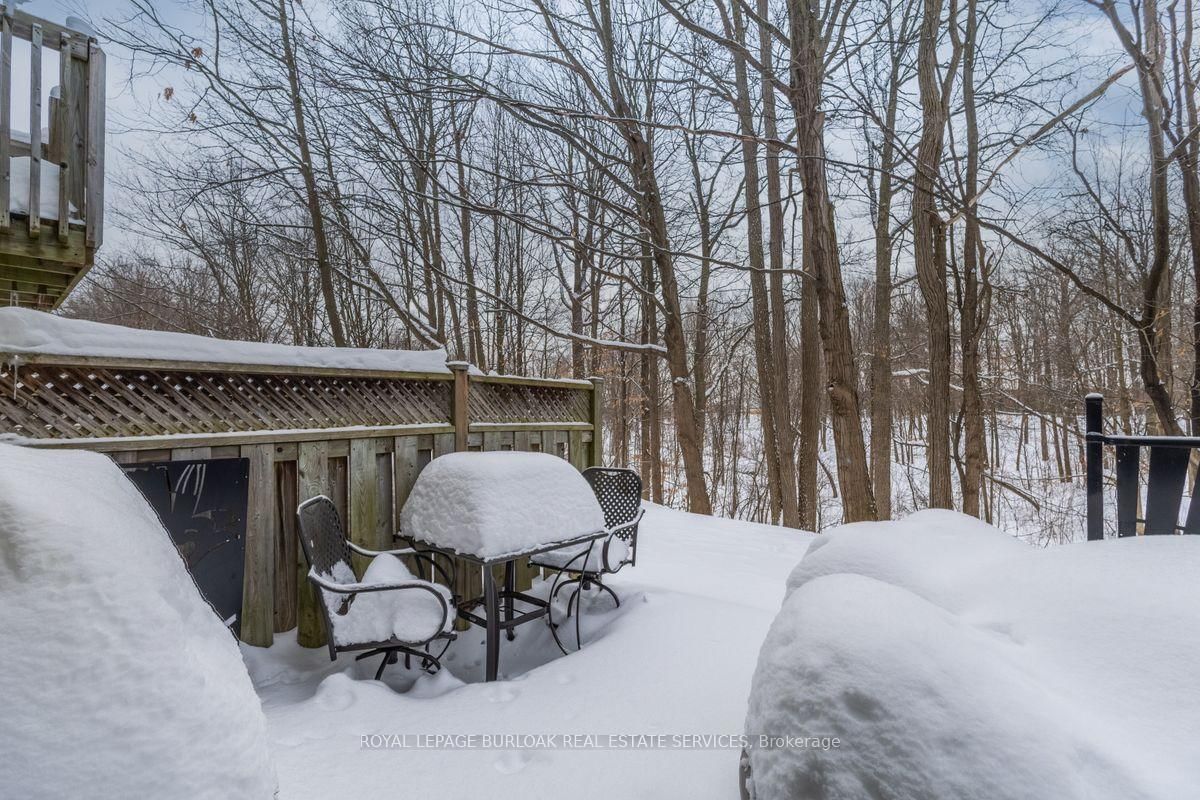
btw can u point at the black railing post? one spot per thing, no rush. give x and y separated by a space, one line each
1094 427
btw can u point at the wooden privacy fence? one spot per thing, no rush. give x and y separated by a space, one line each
358 436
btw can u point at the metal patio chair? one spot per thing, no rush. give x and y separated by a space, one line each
327 551
1166 479
619 492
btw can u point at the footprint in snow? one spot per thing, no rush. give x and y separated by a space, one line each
511 762
331 697
501 693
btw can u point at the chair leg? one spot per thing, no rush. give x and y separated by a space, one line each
389 657
558 587
574 597
611 593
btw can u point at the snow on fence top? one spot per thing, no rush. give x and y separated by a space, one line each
953 661
494 504
24 332
118 679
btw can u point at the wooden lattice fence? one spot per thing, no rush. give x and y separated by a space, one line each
358 436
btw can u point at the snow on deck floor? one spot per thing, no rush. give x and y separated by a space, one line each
676 658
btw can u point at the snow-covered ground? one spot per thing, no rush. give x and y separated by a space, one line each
675 660
951 661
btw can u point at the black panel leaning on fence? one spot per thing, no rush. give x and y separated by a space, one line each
1166 480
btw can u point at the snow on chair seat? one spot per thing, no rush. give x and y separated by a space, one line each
389 611
604 556
377 616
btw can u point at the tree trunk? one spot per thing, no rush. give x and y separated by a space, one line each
807 75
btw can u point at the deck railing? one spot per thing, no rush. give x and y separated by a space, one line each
51 181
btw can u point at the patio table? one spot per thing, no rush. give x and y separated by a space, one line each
497 508
499 602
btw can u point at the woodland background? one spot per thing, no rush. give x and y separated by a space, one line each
835 259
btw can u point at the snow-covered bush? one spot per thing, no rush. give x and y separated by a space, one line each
117 679
951 661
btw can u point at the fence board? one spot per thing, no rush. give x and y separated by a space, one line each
258 590
312 479
286 546
362 499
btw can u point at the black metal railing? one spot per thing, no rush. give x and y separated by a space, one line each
1166 480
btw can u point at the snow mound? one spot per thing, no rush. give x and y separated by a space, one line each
118 679
493 504
27 332
410 615
953 662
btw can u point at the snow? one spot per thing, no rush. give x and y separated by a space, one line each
28 332
496 503
594 561
952 661
18 202
118 679
410 615
675 659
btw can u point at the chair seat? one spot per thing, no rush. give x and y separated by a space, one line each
618 551
405 615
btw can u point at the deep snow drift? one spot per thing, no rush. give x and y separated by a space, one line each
953 661
675 658
117 679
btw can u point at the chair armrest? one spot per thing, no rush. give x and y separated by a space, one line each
414 553
626 525
359 588
351 590
362 551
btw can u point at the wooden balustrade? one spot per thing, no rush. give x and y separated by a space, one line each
46 247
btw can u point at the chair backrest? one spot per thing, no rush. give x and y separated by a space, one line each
321 535
619 492
1165 482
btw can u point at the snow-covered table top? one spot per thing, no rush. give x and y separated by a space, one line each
501 504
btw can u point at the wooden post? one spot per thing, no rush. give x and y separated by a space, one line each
470 578
597 455
258 584
35 131
460 404
6 37
93 207
1094 428
312 479
74 102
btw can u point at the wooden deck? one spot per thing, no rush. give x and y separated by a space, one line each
52 217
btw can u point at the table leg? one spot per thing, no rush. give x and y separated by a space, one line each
491 606
510 586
